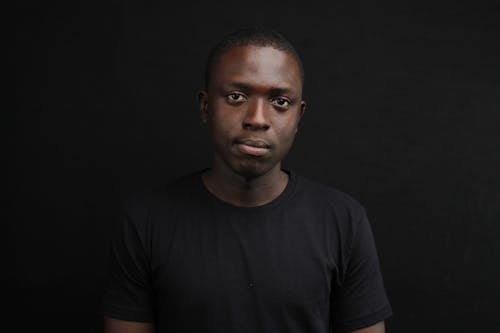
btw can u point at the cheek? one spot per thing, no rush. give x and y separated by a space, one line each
287 131
220 130
223 115
291 137
285 139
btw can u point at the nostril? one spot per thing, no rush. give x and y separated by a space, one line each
255 126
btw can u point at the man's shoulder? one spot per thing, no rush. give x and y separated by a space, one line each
322 195
172 193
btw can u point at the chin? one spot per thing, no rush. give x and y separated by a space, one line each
252 169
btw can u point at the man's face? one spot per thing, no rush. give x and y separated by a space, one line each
252 108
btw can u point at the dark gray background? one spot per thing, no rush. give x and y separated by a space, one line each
403 114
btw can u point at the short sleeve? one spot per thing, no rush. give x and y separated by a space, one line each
129 293
359 299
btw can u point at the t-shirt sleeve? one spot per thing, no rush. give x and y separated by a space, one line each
129 293
359 298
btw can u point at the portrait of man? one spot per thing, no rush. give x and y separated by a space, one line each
212 166
246 245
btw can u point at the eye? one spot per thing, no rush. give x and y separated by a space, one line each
236 97
281 102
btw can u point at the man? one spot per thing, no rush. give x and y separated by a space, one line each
247 246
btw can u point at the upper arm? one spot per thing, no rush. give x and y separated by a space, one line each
359 298
112 325
377 328
129 293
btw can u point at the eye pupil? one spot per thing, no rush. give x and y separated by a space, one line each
234 96
281 102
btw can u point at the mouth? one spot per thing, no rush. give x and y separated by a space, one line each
251 146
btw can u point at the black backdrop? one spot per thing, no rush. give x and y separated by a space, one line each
403 114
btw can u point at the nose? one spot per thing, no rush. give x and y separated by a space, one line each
255 116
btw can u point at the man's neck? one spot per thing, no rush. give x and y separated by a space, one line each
245 191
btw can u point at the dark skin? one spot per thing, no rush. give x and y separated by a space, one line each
252 107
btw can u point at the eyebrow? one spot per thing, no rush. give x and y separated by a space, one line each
246 87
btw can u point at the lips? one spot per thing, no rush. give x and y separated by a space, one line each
251 146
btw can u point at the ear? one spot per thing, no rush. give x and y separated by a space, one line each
302 108
203 104
301 113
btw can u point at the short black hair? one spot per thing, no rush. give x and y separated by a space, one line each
251 36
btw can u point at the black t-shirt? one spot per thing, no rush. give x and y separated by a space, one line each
189 262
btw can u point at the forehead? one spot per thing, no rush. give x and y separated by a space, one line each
258 65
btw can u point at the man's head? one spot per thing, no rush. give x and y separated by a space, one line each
254 36
252 104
